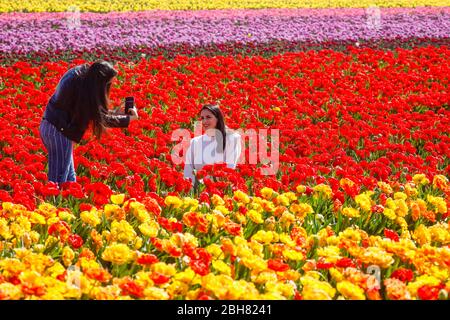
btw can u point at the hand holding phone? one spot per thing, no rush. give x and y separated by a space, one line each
129 104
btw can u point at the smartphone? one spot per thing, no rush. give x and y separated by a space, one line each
129 104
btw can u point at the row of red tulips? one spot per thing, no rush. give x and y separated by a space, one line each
366 115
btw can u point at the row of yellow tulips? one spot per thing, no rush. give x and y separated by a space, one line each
298 244
139 5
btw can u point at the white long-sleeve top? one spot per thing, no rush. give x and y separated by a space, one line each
202 151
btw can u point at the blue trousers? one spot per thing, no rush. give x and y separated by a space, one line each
60 153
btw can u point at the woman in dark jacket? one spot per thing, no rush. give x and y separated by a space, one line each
81 99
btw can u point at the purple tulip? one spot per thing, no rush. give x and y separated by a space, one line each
40 32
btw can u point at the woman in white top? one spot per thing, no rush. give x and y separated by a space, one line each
218 144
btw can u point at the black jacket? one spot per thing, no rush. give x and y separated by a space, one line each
59 114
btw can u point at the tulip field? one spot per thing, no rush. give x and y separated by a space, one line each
358 208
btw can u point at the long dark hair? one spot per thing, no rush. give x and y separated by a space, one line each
215 110
92 101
